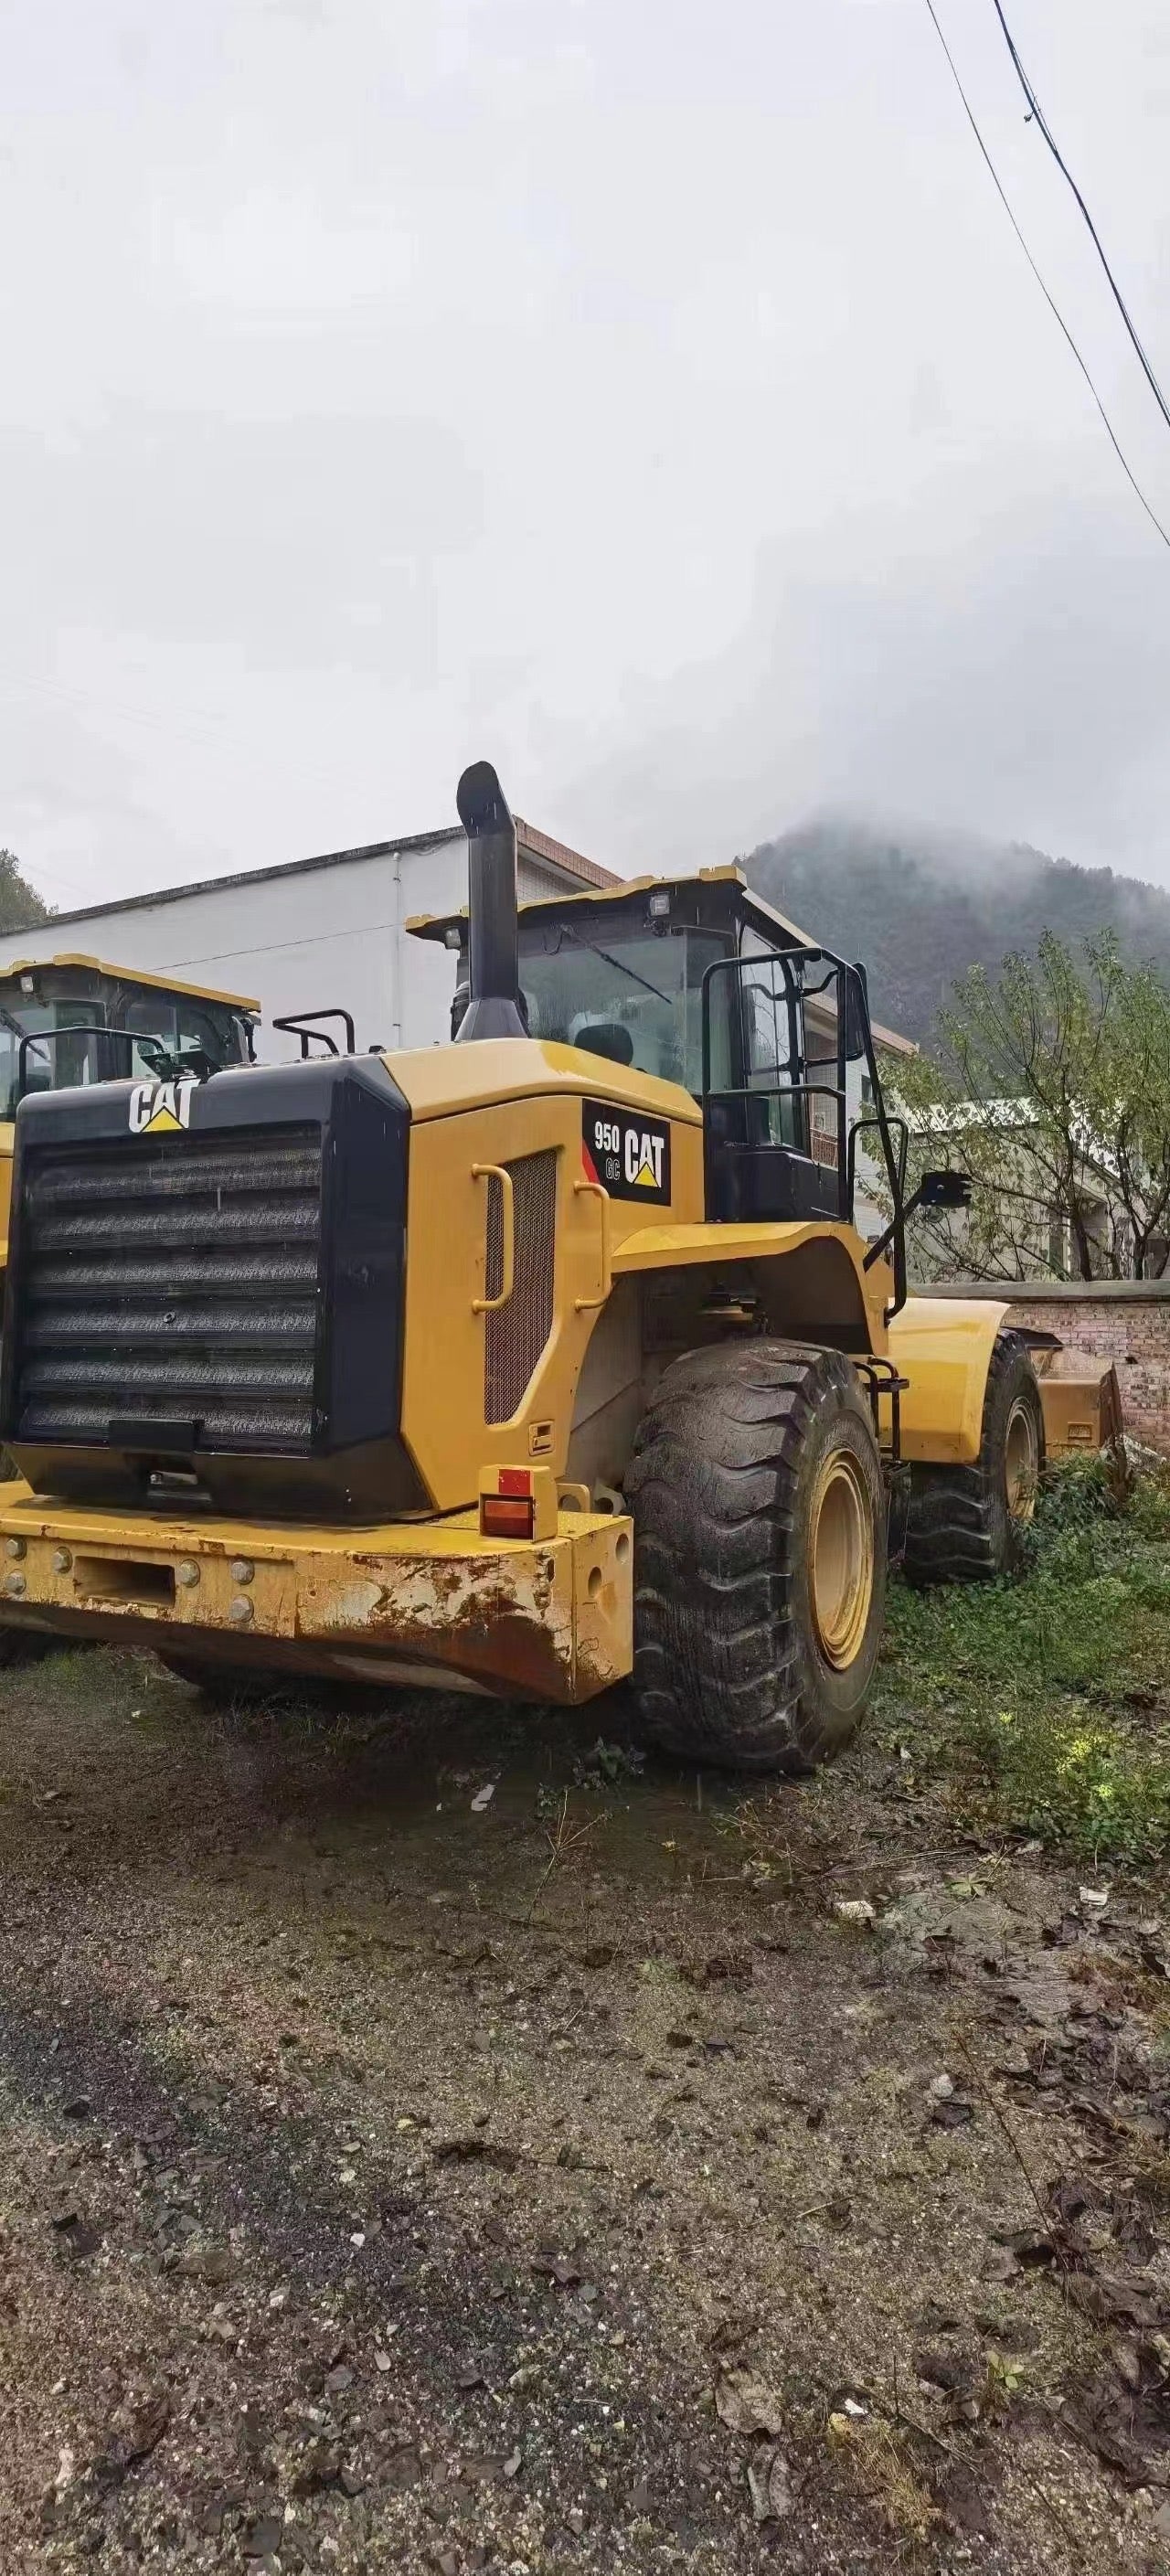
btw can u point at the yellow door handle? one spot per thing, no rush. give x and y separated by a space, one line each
496 1172
593 1189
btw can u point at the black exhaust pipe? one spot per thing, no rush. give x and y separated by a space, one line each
492 927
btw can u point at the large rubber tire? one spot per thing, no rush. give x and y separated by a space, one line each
755 1474
965 1524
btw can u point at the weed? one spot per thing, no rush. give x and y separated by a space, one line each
1039 1704
881 2464
564 1841
606 1764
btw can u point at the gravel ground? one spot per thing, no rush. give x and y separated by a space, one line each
392 2178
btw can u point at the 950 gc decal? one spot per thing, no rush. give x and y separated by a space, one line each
628 1152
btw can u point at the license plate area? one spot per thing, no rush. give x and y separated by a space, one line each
143 1581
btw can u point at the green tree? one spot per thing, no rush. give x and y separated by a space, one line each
1050 1085
20 904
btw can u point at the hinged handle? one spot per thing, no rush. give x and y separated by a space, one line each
496 1172
593 1189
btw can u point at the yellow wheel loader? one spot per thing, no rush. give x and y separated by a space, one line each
525 1364
71 1020
68 1020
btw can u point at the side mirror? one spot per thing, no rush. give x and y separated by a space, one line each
945 1190
856 1012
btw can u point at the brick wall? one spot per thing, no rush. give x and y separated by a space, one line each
1123 1320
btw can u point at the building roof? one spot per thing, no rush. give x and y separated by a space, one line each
532 844
540 845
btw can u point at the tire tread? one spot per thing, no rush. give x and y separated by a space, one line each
713 1489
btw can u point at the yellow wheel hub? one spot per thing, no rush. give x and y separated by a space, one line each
1021 1461
841 1558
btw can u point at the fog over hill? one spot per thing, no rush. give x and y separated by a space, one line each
918 908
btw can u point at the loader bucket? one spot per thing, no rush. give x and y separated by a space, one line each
1081 1411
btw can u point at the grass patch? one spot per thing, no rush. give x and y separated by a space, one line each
1043 1704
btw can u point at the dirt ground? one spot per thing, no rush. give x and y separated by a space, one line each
397 2178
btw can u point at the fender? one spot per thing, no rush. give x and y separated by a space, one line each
944 1346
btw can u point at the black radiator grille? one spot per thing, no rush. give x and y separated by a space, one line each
174 1281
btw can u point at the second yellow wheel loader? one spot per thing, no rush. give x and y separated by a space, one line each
525 1364
70 1020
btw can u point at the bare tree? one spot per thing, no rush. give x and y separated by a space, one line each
1050 1085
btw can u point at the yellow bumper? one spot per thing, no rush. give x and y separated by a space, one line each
413 1602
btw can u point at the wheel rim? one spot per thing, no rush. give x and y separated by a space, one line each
1021 1461
841 1559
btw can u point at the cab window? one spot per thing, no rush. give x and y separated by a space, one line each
179 1020
627 993
60 1056
149 1018
772 1027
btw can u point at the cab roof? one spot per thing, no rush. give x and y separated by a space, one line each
711 892
19 966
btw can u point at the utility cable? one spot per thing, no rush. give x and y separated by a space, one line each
1035 110
1049 299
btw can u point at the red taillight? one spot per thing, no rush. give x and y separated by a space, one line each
514 1480
507 1515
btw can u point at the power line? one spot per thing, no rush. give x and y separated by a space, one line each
1035 110
1049 299
210 728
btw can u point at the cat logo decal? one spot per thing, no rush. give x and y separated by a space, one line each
160 1108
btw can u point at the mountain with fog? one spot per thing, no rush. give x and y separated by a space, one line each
918 909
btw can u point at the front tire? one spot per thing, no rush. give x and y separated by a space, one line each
965 1524
759 1556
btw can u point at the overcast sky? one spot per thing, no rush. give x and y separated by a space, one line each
647 395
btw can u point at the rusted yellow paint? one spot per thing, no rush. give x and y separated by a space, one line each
551 1619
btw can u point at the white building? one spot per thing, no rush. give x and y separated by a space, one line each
318 934
311 934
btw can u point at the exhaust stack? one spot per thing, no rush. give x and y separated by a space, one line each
493 941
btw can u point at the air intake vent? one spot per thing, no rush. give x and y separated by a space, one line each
517 1333
171 1283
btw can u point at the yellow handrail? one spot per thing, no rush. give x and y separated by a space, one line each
496 1172
593 1189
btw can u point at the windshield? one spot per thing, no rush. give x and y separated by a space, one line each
56 1064
631 996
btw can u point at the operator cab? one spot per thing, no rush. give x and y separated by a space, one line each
66 1021
699 982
